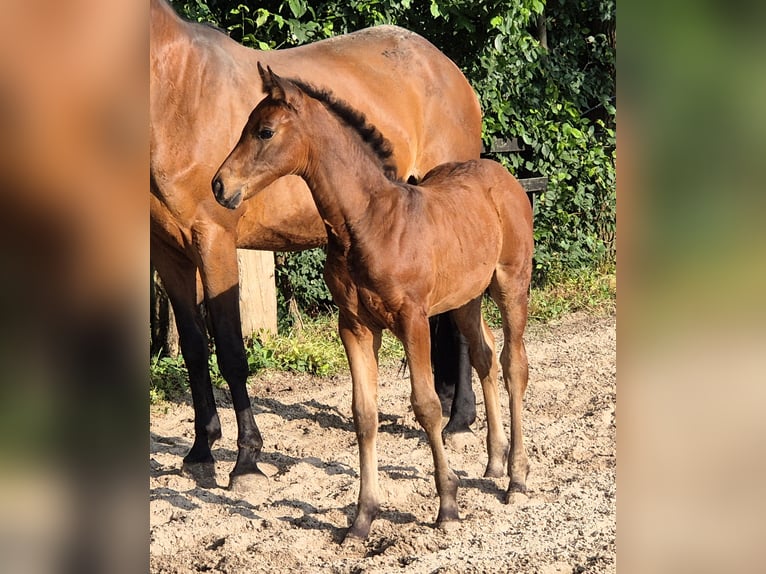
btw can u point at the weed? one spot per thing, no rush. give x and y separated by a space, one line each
593 291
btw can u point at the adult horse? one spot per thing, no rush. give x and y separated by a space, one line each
397 254
203 86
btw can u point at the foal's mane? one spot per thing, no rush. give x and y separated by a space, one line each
356 120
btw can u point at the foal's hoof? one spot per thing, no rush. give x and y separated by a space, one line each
495 469
448 521
448 517
517 492
203 473
251 483
353 543
448 525
359 530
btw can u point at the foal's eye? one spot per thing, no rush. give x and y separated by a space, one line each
265 134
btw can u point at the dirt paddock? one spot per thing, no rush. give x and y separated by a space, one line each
565 524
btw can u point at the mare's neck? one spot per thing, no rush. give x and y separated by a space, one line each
165 25
171 32
344 177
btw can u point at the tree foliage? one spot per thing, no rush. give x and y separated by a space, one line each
544 73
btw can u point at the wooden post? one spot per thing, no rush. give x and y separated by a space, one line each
257 302
257 291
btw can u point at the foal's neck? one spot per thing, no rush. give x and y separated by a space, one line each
344 175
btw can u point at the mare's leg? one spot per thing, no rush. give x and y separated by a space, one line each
481 346
509 289
179 277
220 278
414 333
362 344
452 374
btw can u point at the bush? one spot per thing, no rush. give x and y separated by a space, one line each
300 278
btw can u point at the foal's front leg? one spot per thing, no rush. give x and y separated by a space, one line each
415 337
362 344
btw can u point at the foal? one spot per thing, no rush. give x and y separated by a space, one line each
396 255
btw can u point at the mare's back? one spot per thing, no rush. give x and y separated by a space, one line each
407 88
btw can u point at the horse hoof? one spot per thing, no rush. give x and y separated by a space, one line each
517 492
252 483
448 526
460 441
495 471
203 473
353 543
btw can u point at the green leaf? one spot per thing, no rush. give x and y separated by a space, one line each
499 43
261 18
297 7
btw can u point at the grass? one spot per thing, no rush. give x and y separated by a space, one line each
592 291
316 348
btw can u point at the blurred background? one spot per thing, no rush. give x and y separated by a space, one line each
74 263
692 249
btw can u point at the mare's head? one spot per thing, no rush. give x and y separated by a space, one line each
273 144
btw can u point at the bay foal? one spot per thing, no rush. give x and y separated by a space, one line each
397 254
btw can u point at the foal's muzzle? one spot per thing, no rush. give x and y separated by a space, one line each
220 195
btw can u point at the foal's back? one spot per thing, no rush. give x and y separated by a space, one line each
480 202
460 223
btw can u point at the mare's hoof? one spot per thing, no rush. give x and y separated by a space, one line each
203 473
252 483
199 456
460 441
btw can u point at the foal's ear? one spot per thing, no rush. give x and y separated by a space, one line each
272 84
279 89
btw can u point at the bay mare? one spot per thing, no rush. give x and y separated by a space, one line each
203 86
397 254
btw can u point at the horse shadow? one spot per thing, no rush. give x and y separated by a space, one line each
484 485
311 517
159 444
186 500
330 417
326 416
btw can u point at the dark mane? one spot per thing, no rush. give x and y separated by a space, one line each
358 121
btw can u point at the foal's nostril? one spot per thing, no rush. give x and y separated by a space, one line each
218 187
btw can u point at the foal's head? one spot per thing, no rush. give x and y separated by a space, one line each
272 144
277 139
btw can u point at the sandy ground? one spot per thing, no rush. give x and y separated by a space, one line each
566 523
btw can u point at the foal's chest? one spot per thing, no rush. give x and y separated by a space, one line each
357 287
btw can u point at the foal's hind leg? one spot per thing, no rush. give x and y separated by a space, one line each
361 345
509 289
481 347
414 333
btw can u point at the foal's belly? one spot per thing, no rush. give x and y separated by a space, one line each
461 287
